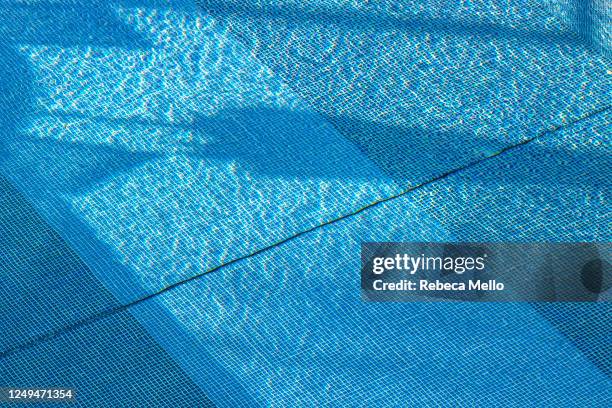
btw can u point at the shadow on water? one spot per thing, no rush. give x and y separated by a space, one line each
585 270
261 145
284 143
27 266
278 143
67 24
584 324
15 93
584 20
74 167
46 286
269 142
53 22
589 19
61 165
379 22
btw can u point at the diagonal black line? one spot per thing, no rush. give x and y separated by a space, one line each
121 308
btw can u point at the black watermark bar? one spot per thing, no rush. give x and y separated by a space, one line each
36 394
486 272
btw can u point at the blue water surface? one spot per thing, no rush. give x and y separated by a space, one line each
146 142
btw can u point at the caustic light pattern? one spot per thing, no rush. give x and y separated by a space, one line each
185 185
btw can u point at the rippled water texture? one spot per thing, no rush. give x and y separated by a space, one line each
149 142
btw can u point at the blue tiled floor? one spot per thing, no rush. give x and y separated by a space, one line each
155 141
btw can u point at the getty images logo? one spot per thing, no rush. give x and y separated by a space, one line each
411 271
413 264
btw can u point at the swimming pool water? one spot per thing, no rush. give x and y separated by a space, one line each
147 142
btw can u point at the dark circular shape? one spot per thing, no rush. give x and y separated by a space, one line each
595 276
